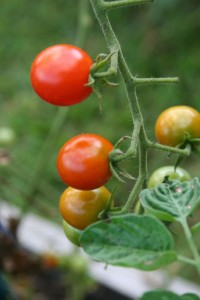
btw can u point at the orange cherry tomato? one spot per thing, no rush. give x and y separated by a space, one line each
173 123
81 208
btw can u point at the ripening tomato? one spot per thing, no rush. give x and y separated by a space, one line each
59 74
173 123
81 208
159 175
71 233
83 161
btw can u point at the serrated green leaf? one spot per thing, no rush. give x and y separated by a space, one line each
141 242
172 200
167 295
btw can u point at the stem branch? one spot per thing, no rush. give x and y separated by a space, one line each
124 3
191 243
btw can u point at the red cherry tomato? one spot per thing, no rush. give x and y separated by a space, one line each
83 161
173 123
81 208
59 75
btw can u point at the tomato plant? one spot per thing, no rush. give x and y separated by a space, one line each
122 238
173 123
83 161
59 74
159 175
81 208
71 233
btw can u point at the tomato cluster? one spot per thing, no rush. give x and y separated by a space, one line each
59 75
83 164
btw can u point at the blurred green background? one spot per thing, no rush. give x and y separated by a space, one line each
160 39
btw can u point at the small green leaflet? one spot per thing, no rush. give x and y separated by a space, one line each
172 200
166 295
141 242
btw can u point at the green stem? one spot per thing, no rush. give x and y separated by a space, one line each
186 260
129 203
153 81
124 3
117 155
191 243
184 152
141 181
84 22
139 135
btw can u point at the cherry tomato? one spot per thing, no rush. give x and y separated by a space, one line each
81 208
71 233
174 122
83 161
159 175
59 74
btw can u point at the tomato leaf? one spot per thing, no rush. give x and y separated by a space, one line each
172 200
190 296
141 242
166 295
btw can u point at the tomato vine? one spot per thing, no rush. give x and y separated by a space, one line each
129 238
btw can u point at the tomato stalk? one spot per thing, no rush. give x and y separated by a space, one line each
123 3
183 152
84 22
139 141
191 243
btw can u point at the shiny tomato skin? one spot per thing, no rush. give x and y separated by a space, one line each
158 176
174 122
59 74
81 208
83 161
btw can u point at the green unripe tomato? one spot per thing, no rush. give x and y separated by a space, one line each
159 175
71 233
7 136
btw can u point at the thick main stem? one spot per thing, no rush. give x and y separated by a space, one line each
114 46
130 86
139 140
